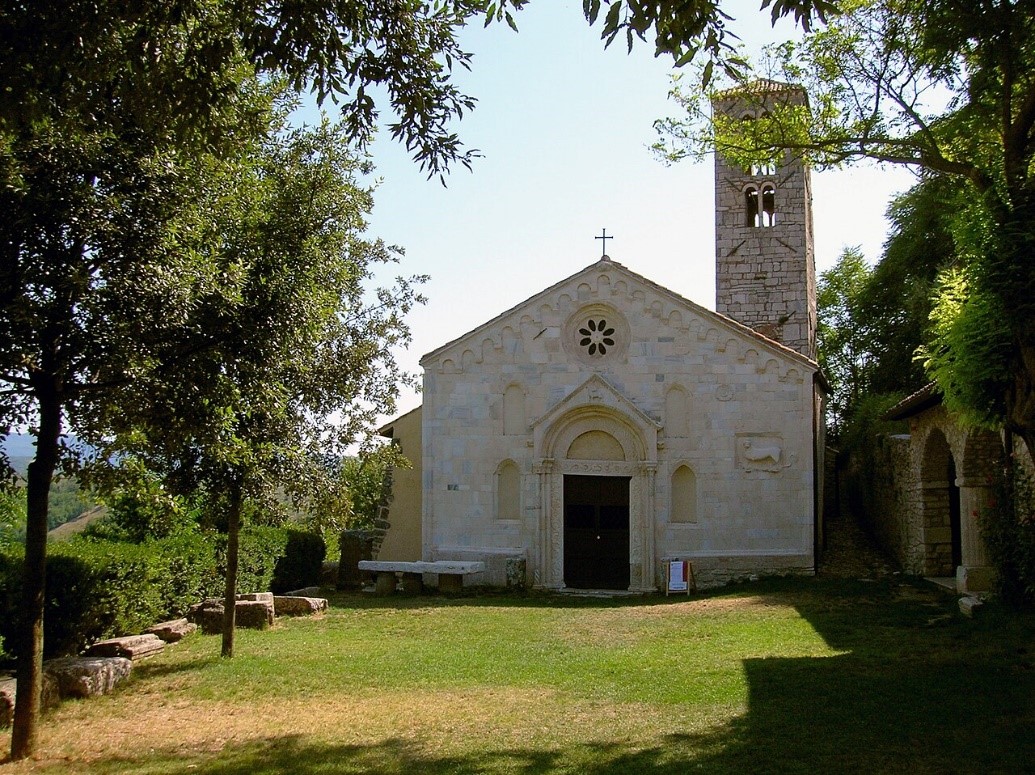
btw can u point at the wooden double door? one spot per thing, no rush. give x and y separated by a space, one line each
596 532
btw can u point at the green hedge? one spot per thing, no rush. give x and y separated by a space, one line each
299 565
103 589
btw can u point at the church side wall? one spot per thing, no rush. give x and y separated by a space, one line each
402 542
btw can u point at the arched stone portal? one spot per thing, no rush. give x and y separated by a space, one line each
982 452
941 508
595 432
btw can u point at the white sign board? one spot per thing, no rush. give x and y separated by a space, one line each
678 580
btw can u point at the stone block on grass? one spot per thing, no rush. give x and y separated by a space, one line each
971 606
292 605
304 592
131 647
87 676
8 693
252 611
173 631
254 614
208 615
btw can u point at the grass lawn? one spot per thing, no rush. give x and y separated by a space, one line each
806 675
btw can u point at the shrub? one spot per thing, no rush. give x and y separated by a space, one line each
1008 529
259 551
10 591
190 571
300 564
102 589
94 591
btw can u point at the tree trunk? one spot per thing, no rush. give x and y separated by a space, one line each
24 737
233 536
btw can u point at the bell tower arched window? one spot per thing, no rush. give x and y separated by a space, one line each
760 206
751 206
767 215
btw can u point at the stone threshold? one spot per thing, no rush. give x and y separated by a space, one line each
598 593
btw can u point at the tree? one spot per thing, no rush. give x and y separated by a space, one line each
172 63
356 489
12 519
843 338
284 361
897 300
87 282
872 322
946 86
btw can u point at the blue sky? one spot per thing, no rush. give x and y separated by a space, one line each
564 127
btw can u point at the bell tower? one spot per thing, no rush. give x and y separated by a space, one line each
765 270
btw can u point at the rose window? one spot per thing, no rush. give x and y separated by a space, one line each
597 336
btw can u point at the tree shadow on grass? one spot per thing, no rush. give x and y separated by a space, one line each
805 716
150 670
916 689
836 714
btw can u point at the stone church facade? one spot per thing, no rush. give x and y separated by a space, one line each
607 425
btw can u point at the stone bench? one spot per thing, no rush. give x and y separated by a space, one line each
450 574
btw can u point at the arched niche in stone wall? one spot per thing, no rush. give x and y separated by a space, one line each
508 490
683 508
677 413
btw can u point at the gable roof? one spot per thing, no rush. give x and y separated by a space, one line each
914 404
605 263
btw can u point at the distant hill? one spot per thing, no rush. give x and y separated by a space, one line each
19 445
20 449
77 525
67 502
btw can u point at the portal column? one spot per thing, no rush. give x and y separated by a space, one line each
974 573
643 575
543 574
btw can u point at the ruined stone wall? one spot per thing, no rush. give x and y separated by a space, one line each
883 500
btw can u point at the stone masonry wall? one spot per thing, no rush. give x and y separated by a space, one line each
765 272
